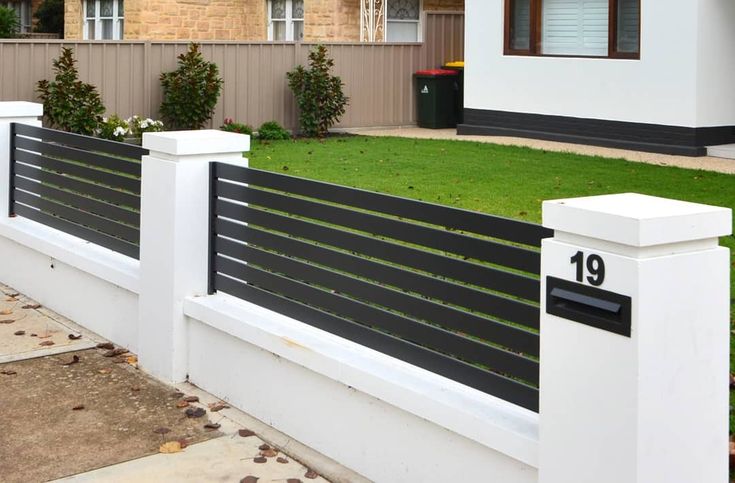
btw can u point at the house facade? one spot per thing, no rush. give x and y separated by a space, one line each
653 75
252 20
24 10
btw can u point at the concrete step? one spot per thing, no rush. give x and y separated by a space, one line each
722 151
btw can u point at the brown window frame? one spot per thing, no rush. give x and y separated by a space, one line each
535 34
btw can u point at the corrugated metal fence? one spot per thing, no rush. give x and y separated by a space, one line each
378 77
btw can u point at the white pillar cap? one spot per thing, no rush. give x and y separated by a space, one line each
16 109
196 143
637 220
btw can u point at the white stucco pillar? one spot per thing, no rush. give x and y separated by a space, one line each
174 238
10 112
634 341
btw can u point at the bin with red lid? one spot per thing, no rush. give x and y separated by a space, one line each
436 91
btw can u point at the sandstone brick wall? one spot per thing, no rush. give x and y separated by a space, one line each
73 19
332 20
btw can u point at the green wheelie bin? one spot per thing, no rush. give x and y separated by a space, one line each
436 100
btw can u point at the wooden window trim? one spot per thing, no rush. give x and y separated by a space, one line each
534 49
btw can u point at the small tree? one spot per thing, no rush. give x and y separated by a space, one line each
9 25
50 17
318 94
68 103
190 92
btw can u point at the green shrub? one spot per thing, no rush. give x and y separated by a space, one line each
232 126
114 128
9 25
68 103
190 92
50 17
272 131
318 94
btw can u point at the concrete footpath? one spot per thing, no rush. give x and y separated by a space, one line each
77 408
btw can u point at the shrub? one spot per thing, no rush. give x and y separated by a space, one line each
114 128
138 125
9 25
272 131
232 126
50 17
69 103
318 93
191 91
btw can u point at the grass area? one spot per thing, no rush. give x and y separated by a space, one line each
502 180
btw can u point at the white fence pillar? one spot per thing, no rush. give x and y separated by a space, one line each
174 238
634 354
27 113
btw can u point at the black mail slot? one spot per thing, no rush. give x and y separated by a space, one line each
588 305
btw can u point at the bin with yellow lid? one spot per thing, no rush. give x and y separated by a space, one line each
458 65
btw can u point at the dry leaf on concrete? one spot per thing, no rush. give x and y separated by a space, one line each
195 412
19 332
293 480
115 352
32 306
217 406
311 474
78 407
282 460
7 321
264 447
191 399
245 433
269 453
212 426
74 336
47 343
8 372
105 345
182 404
260 459
170 447
249 479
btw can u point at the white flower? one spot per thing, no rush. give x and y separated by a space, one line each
120 131
144 124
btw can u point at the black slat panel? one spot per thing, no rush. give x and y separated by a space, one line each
371 294
95 159
504 308
86 188
486 381
95 222
494 226
91 174
488 251
509 336
84 142
96 237
100 208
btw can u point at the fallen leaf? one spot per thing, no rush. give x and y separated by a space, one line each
184 443
132 360
115 352
74 337
47 343
249 479
73 360
263 447
104 371
182 404
135 388
311 474
13 294
8 372
7 321
191 399
212 426
34 335
293 480
6 312
269 453
78 407
32 306
161 430
170 447
19 332
245 433
282 460
195 412
260 459
217 406
105 345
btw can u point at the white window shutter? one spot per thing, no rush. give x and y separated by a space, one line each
574 27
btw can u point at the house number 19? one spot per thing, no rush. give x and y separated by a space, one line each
595 267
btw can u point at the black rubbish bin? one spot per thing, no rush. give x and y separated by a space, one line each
459 67
436 92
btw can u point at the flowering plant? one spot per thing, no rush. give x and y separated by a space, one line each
231 126
114 128
138 125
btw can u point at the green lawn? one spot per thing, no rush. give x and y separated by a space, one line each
502 180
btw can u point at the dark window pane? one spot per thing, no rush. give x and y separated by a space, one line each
520 24
628 17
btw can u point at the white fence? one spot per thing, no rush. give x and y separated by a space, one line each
629 393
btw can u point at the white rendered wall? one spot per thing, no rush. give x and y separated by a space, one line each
683 78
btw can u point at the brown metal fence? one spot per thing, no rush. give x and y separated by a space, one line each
378 77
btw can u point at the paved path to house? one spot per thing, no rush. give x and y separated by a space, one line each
71 410
707 163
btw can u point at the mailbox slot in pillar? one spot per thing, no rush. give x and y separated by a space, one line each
588 305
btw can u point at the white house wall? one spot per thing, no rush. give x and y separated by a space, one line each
716 63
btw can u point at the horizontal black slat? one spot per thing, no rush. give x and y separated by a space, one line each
515 338
438 239
74 215
110 179
454 218
97 191
483 380
84 142
502 307
365 310
95 159
93 236
100 208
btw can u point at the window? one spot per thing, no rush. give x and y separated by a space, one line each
403 21
23 11
286 20
103 19
585 28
